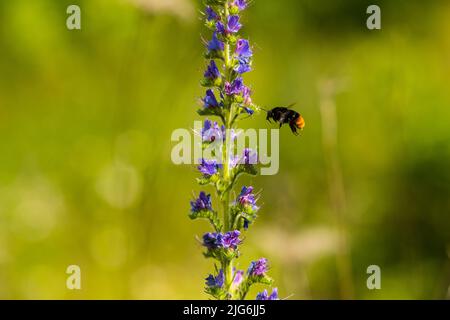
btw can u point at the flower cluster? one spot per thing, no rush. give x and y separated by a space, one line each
222 246
215 281
201 208
234 53
213 132
258 268
215 284
202 203
229 57
209 167
229 240
265 295
244 208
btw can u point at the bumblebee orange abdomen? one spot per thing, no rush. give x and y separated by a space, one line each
300 122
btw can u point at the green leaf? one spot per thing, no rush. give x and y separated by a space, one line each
208 215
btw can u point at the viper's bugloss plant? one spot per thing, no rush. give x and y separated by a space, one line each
229 57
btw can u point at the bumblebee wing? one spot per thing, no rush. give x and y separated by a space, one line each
291 105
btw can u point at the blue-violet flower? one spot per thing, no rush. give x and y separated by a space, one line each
265 295
209 167
233 26
203 202
241 4
210 101
211 14
215 282
258 268
215 44
212 72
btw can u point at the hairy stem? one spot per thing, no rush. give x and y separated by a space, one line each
227 124
227 45
227 265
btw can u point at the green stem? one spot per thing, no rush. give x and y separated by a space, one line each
245 287
227 267
227 45
228 123
226 214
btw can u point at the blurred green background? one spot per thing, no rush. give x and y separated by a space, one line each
85 172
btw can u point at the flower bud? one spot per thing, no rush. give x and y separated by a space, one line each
234 9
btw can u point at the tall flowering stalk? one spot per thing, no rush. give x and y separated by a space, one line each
229 57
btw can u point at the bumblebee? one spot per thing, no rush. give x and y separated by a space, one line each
285 115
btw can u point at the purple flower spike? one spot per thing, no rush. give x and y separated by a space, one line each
210 100
209 167
265 295
212 72
258 268
228 98
203 202
215 282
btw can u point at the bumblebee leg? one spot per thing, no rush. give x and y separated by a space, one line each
293 128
